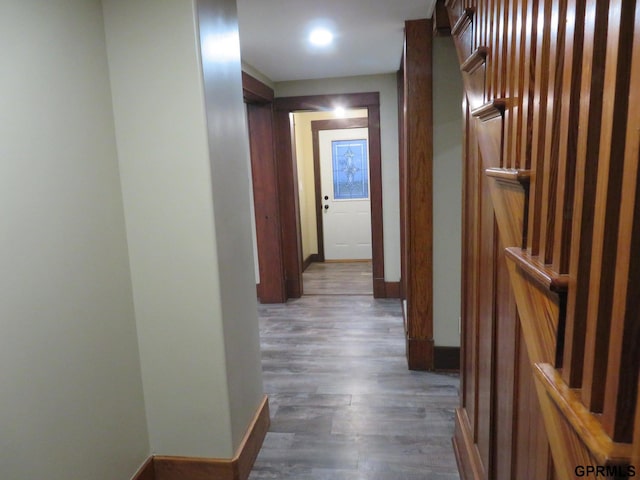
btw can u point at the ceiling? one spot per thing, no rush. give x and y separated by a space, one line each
368 36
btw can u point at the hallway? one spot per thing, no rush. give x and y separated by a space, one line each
343 404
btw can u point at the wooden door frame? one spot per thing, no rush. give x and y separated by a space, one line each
288 184
416 191
331 124
258 98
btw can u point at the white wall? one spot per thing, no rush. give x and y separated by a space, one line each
72 402
231 187
386 85
186 198
447 192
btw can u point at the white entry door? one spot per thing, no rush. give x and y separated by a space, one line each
345 193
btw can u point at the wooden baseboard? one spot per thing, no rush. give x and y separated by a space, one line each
252 441
161 467
191 468
420 353
466 452
313 258
446 359
146 471
392 289
379 290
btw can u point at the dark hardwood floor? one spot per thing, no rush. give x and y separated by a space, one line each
343 404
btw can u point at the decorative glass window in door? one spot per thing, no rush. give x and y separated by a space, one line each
350 169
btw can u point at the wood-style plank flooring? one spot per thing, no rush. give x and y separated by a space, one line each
343 404
353 278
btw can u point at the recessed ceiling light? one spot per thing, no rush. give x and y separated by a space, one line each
339 112
320 37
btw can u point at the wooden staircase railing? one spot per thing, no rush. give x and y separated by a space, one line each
553 143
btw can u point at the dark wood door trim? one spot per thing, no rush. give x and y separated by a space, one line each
287 170
332 124
403 181
417 192
289 203
254 91
259 100
327 102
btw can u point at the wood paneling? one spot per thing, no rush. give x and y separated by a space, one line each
504 375
485 321
469 346
551 150
467 456
530 450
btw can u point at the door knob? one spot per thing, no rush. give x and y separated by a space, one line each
326 207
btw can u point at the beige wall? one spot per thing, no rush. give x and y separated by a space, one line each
306 182
72 402
231 189
186 198
386 86
447 192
